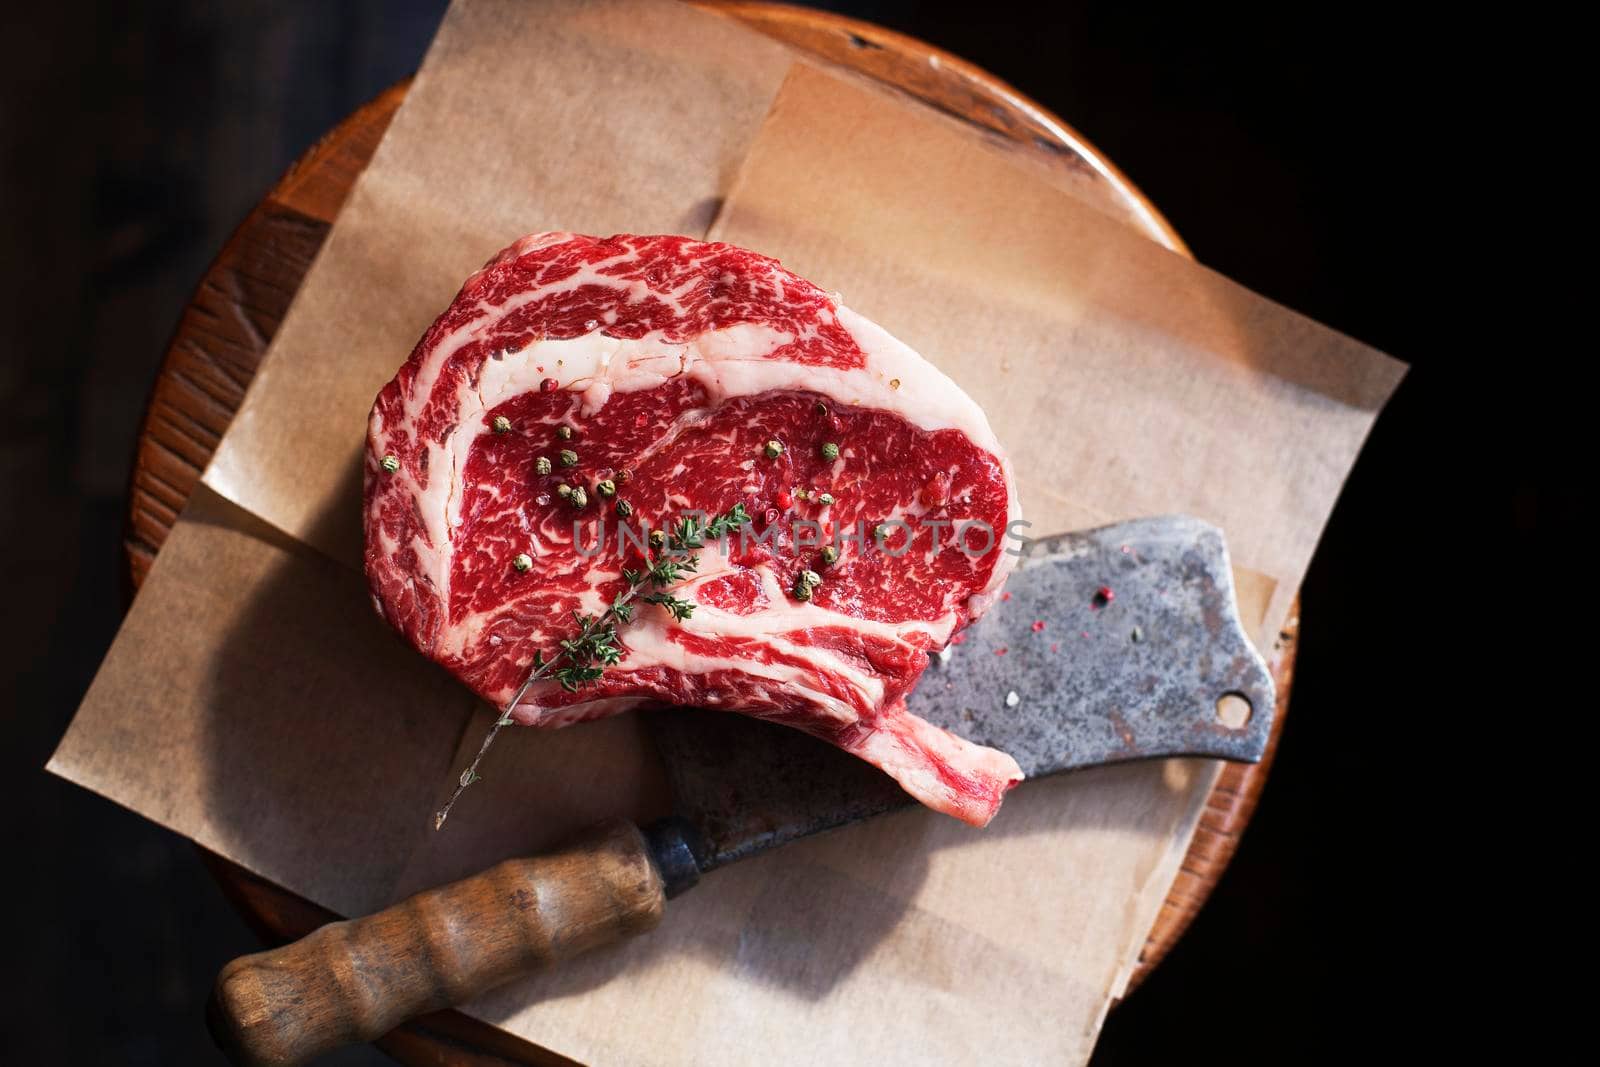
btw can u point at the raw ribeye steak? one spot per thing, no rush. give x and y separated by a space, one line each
578 383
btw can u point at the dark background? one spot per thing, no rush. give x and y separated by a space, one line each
1320 156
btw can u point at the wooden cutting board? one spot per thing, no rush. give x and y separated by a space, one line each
242 299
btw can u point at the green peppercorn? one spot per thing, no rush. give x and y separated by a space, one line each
658 538
606 487
579 498
624 509
773 449
804 583
564 432
542 464
830 451
523 562
830 556
569 458
389 463
563 489
824 499
501 424
881 532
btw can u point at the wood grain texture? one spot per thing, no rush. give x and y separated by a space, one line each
236 310
356 980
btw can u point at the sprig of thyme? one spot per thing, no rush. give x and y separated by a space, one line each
583 659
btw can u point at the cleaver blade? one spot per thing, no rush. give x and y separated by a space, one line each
1139 645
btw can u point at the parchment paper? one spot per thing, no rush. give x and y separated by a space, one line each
253 701
1119 374
593 117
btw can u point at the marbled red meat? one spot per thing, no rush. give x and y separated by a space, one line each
677 361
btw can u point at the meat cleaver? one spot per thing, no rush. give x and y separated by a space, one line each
1141 655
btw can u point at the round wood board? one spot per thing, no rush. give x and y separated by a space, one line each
228 324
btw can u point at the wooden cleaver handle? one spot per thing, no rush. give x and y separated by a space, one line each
356 980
